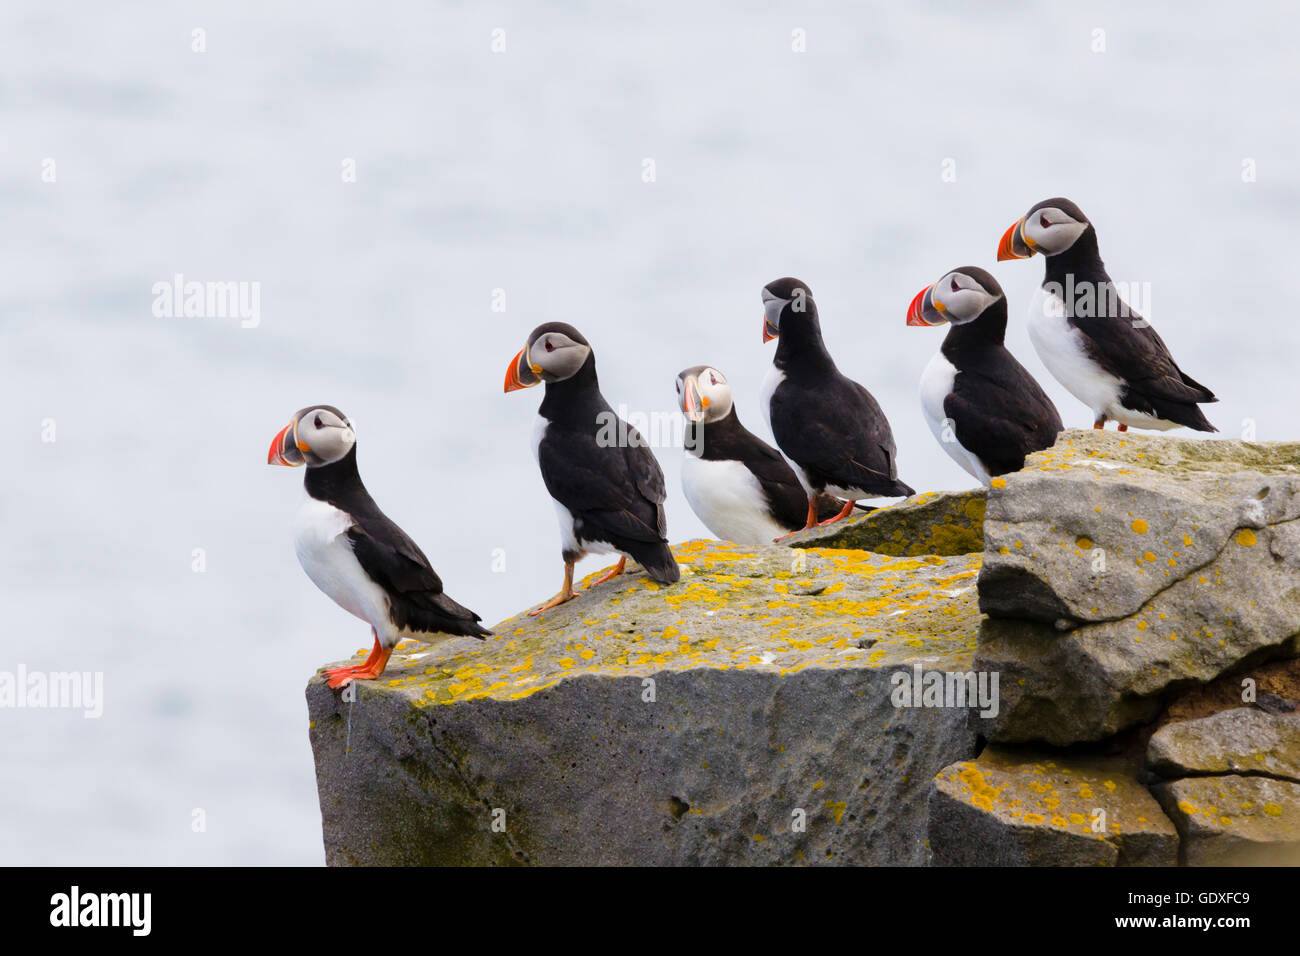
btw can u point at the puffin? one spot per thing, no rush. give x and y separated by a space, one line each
350 549
1103 352
607 486
986 411
736 483
828 425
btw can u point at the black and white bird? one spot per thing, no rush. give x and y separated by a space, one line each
362 561
1103 352
828 425
987 412
736 483
608 487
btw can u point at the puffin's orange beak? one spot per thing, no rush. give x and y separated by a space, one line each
914 310
512 373
284 449
520 374
1007 248
769 333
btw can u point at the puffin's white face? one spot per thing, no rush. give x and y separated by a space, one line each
557 355
326 435
318 435
1051 230
959 297
703 394
550 356
1051 227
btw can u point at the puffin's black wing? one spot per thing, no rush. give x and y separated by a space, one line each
416 599
1000 414
648 477
838 433
615 493
616 489
1129 348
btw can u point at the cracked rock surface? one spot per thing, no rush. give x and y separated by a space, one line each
1244 740
1239 799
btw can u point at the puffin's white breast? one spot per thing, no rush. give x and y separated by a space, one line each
728 498
1061 348
936 385
325 554
539 432
771 381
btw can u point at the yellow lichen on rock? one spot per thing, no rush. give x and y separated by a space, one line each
769 607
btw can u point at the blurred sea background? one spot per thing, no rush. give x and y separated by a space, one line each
523 171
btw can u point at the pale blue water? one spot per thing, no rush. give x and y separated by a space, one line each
519 171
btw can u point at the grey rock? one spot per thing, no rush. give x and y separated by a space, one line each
1242 741
1156 510
1235 821
1276 704
770 737
1209 581
1017 808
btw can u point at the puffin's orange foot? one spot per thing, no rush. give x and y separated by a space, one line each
556 601
844 513
1100 426
1123 428
566 591
613 572
338 677
373 666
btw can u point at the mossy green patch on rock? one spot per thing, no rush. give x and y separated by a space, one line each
936 522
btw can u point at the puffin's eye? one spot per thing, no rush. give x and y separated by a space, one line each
317 423
955 286
1042 221
549 346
